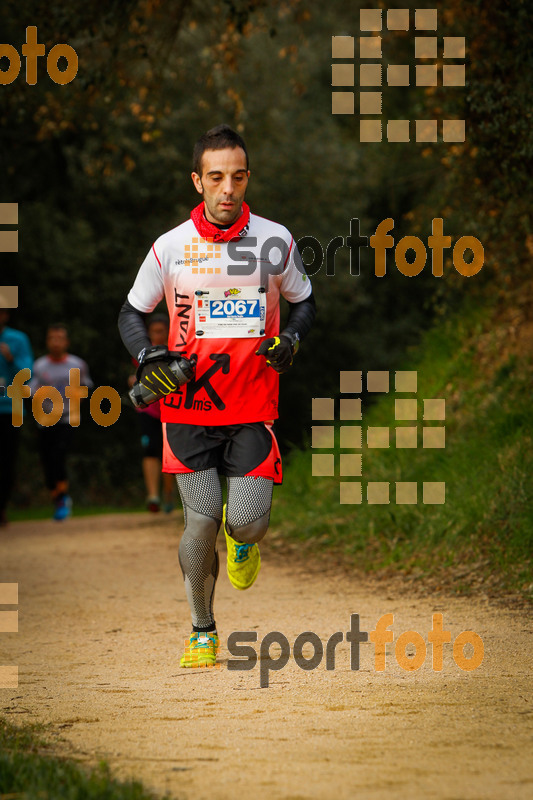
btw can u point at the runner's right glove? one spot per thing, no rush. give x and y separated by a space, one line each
155 374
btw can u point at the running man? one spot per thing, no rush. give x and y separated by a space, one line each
222 273
55 441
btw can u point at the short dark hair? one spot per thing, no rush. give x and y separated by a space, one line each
57 326
156 319
216 139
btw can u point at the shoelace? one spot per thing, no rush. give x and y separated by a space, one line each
201 643
241 552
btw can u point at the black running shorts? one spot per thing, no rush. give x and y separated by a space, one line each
233 450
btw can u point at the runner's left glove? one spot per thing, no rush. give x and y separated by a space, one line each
279 350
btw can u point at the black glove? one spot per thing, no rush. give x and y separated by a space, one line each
279 350
153 371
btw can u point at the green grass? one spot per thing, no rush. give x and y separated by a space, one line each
29 772
487 519
45 512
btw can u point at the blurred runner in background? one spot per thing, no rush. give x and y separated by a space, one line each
15 354
55 440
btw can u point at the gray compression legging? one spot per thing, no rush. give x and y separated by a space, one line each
247 516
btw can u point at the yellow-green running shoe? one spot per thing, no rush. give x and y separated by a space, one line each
243 560
201 650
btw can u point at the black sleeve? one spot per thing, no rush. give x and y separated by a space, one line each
301 316
133 329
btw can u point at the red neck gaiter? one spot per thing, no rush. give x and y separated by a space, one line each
207 230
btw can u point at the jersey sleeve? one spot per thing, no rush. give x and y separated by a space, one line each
148 289
295 285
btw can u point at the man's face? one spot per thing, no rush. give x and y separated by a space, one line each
158 333
223 184
57 342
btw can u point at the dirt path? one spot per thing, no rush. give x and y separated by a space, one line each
103 617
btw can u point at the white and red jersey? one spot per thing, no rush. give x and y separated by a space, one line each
223 300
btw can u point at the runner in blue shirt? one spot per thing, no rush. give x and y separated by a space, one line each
15 354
